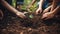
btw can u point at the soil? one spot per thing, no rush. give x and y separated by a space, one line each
11 24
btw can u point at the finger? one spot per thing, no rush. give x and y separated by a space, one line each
51 15
44 16
56 10
54 5
20 15
25 12
47 9
38 11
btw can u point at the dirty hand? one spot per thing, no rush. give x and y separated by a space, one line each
50 14
38 11
47 15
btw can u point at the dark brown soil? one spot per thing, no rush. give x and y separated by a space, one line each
15 25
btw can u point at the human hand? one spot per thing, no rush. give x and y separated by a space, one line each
50 14
38 11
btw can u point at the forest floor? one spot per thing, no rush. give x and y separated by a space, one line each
14 25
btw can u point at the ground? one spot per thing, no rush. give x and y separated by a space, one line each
11 24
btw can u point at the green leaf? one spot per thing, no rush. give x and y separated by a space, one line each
14 3
30 16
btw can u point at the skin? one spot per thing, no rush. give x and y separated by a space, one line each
54 5
51 14
9 7
53 11
47 9
39 10
46 14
